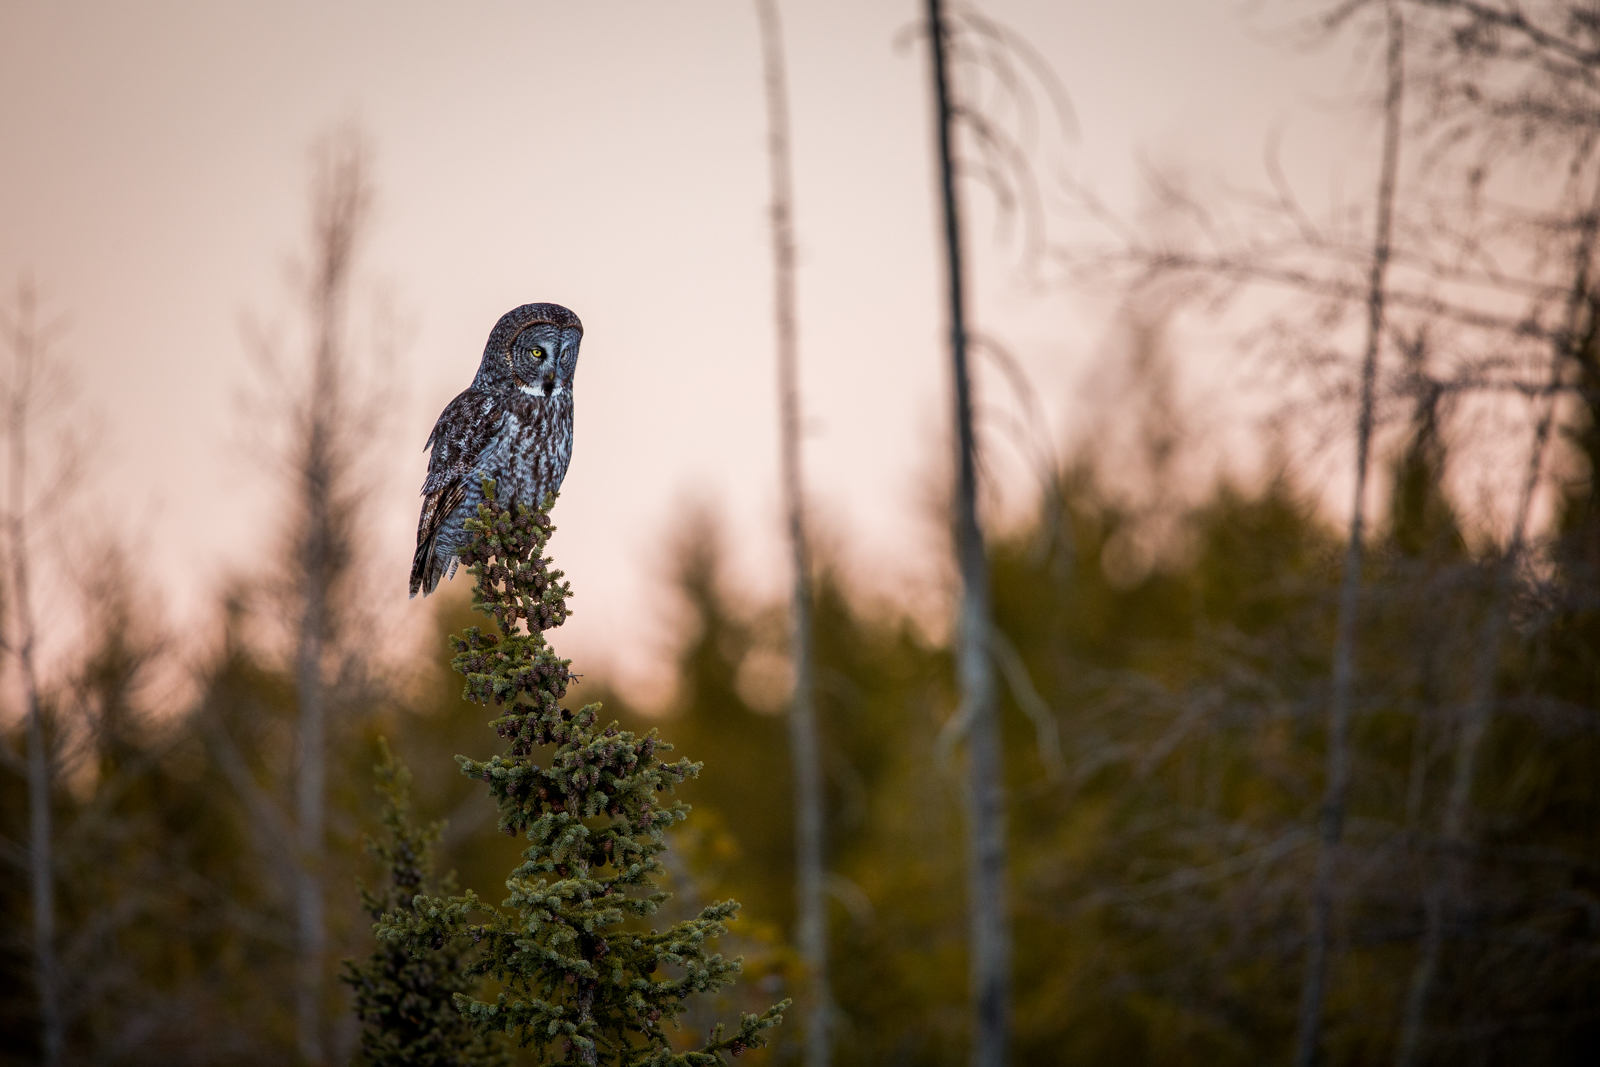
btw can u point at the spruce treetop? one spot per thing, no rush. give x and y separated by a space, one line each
582 978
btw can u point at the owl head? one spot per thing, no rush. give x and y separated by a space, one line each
532 350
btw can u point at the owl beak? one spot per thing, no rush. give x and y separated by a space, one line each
550 381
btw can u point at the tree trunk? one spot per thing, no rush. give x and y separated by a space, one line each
318 566
1308 1033
811 905
989 933
339 211
25 343
310 797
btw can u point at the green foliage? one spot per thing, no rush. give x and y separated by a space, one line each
577 970
746 795
405 1001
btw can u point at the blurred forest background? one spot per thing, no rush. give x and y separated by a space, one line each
1228 698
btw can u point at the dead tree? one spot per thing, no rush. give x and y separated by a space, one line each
323 417
1001 159
341 200
989 929
32 383
1336 790
1447 886
811 904
1503 86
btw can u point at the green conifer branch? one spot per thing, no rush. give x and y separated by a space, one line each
579 974
406 1000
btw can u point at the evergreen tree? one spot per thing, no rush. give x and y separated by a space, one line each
576 966
406 1002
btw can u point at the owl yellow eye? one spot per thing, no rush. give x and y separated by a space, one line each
538 353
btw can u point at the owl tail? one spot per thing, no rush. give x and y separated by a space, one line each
426 568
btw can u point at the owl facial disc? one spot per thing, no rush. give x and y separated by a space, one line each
538 356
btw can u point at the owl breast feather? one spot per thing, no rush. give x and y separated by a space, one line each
523 443
528 457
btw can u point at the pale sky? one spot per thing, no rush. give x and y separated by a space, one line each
607 155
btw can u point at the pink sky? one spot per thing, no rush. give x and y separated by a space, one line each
607 155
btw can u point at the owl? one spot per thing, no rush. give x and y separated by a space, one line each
512 424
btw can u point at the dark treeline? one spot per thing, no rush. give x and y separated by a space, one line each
1164 745
1164 737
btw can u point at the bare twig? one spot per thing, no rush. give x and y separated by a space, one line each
1015 672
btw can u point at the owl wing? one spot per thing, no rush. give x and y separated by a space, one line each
465 428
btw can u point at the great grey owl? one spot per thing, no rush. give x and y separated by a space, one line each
512 424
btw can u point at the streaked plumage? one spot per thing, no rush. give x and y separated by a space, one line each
512 424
